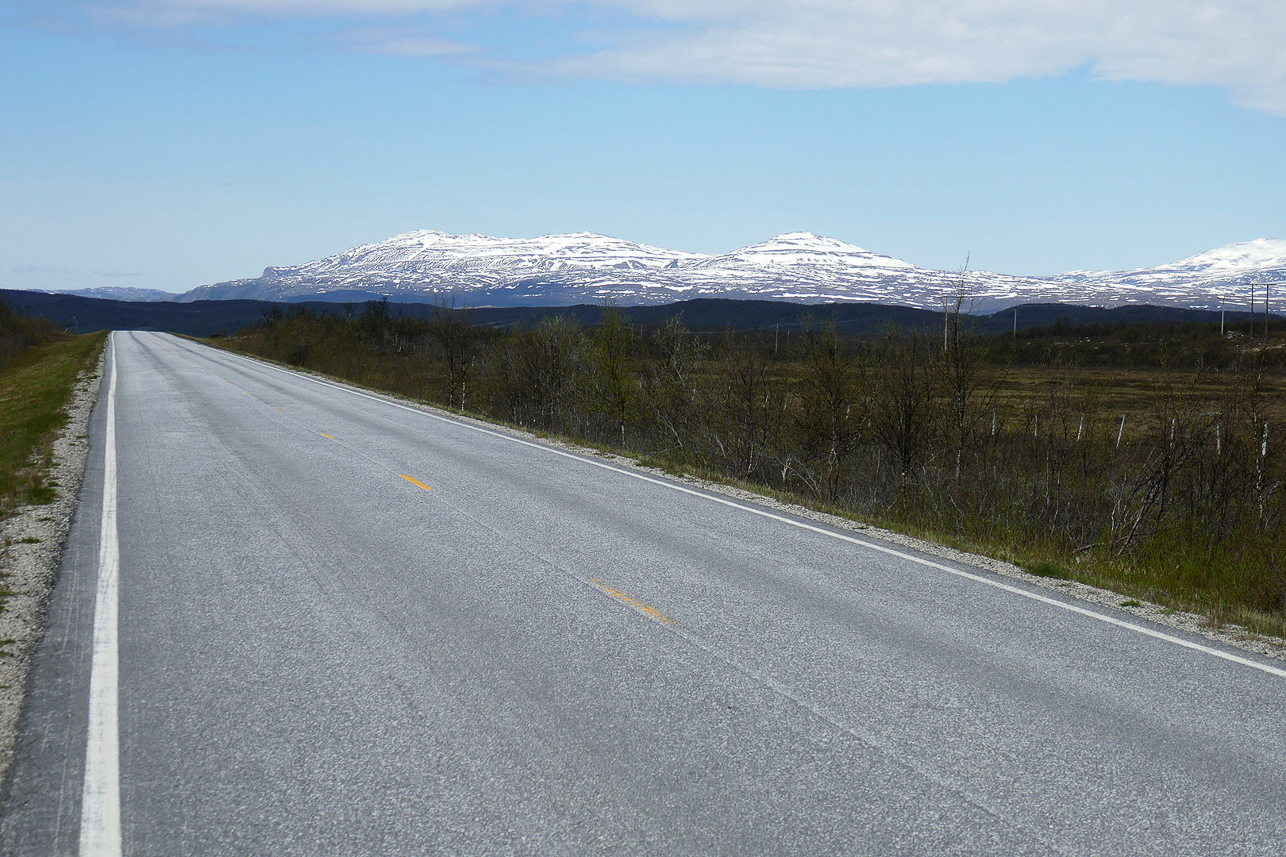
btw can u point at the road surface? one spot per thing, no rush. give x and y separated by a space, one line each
329 624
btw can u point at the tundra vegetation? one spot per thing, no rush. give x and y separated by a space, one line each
1141 458
39 365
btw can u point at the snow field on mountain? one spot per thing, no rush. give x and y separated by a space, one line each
799 266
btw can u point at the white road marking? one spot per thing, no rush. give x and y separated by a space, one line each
764 513
100 816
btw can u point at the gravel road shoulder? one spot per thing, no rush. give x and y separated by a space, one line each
31 546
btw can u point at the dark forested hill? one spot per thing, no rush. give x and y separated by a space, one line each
203 318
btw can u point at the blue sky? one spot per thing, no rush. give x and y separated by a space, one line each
172 143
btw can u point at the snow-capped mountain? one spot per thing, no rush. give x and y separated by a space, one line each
427 263
120 293
1222 277
428 254
803 248
586 267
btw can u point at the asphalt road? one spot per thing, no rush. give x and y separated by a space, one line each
526 652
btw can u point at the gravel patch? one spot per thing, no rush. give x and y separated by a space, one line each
1122 606
31 546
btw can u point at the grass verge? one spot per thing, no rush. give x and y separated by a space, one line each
34 387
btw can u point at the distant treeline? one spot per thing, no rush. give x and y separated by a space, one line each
941 433
1139 324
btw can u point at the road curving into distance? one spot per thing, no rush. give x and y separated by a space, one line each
333 624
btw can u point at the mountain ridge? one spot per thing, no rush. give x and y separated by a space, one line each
586 267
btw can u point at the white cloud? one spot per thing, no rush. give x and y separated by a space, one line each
1236 44
400 42
38 269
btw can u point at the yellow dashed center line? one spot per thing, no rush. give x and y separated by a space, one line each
651 612
416 482
323 434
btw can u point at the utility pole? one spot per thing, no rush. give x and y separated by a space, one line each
1267 284
1252 311
1015 322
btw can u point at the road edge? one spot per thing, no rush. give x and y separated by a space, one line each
29 570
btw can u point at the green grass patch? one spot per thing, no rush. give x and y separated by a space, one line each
1041 568
34 387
